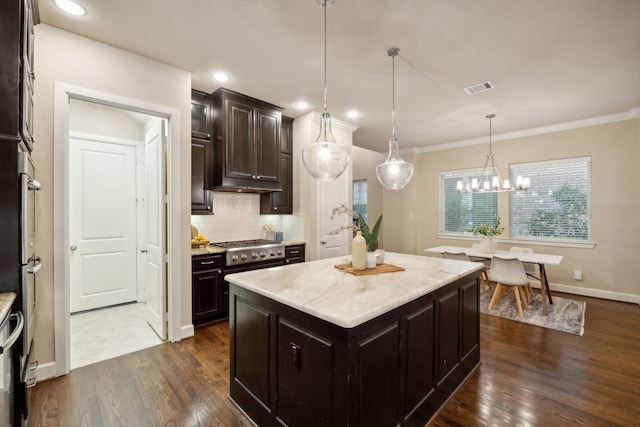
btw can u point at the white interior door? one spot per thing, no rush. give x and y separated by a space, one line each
154 240
102 223
334 240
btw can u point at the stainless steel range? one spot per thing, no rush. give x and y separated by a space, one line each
247 252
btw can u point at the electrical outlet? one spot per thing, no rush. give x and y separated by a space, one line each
577 275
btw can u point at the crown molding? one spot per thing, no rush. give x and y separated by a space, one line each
633 113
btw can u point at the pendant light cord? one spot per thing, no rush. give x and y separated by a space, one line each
490 116
324 6
393 52
393 97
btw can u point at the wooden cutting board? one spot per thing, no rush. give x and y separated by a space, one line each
380 268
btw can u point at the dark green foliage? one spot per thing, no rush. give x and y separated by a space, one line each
370 236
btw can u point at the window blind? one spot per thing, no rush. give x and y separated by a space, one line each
557 205
461 211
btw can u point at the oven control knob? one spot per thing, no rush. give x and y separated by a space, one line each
254 255
262 254
243 256
273 253
279 252
234 258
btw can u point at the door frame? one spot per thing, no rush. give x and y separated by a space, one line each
62 94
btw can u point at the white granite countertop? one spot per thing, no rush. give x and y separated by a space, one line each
6 301
319 289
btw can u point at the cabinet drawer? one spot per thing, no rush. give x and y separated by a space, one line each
294 254
206 262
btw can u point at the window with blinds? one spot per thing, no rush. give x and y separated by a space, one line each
360 199
461 211
557 205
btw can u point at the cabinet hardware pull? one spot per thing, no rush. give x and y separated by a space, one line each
34 185
37 266
206 262
143 251
73 247
294 252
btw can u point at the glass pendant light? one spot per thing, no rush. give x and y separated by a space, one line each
325 159
394 173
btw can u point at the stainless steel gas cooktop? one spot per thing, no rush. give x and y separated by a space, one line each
251 251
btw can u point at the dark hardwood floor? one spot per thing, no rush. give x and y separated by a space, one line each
529 376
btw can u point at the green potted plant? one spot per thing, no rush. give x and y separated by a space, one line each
487 244
370 235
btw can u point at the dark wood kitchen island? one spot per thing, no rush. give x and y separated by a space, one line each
315 346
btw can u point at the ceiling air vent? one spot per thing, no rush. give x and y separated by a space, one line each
482 87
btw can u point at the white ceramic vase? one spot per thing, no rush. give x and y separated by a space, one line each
488 245
359 252
371 260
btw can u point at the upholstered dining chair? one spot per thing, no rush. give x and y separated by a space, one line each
461 256
529 268
509 273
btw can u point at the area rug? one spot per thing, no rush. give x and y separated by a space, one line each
565 314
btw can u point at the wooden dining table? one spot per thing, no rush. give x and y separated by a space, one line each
530 257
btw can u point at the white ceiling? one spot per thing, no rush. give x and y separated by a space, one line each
551 61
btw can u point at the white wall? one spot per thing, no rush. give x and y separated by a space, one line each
87 117
64 57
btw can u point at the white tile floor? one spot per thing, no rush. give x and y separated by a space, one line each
103 334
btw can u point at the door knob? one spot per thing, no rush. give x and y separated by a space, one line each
73 247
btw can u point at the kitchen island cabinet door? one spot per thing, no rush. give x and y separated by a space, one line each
309 375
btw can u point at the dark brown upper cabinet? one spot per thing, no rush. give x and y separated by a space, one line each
200 115
202 151
281 202
247 135
17 18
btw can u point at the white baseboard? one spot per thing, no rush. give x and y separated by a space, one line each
187 331
46 371
587 292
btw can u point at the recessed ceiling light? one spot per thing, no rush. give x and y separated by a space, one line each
221 77
301 105
353 114
71 7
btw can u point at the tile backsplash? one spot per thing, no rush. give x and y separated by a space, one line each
237 217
